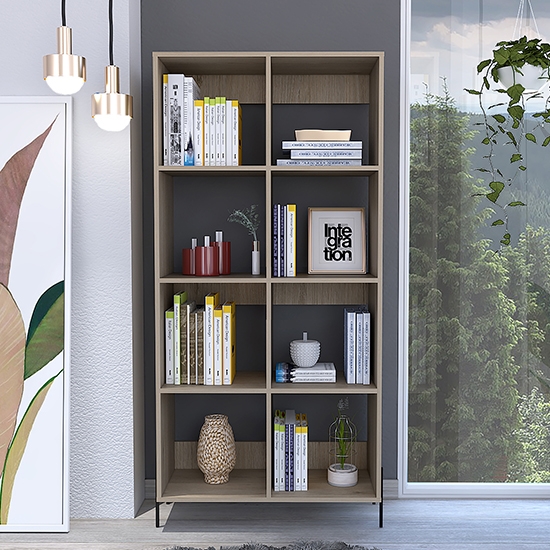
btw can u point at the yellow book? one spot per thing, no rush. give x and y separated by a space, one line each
206 131
229 363
236 133
218 346
211 301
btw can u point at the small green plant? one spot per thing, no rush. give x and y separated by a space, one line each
343 434
248 218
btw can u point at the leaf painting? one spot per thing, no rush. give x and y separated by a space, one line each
12 367
45 337
13 181
17 448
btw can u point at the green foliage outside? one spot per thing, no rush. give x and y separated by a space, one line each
479 334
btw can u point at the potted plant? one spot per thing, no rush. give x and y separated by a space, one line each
250 219
342 436
505 122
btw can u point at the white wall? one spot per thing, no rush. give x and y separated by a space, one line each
106 464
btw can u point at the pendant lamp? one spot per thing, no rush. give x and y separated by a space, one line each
112 110
64 72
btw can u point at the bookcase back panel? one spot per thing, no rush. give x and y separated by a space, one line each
320 293
250 455
206 63
325 88
319 455
244 88
319 63
248 294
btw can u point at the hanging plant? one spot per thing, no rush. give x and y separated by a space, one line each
505 122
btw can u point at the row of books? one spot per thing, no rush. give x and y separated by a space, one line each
290 437
200 341
284 240
322 153
199 131
320 372
357 344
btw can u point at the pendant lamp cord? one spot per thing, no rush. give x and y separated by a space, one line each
111 57
63 18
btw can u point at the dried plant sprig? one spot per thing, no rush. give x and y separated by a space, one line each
249 218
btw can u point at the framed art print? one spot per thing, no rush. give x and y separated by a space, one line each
336 240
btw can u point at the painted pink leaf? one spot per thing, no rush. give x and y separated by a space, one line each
13 181
12 367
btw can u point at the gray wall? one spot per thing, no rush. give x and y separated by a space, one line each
284 25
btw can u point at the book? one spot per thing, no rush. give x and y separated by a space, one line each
359 347
186 342
169 344
198 125
282 228
290 241
206 107
212 131
298 453
223 123
322 145
165 120
236 132
305 442
275 260
278 451
290 425
319 162
349 344
191 92
211 301
366 345
179 299
192 349
217 130
199 345
175 99
228 134
229 340
218 346
325 153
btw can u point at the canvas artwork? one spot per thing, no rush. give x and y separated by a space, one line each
34 312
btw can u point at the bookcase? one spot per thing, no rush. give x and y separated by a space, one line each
279 92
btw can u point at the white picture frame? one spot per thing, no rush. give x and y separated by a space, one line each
336 241
38 272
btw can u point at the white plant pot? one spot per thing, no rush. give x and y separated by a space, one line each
531 79
342 478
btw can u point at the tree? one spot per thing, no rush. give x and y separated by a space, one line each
462 390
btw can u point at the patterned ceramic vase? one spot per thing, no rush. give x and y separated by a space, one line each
216 449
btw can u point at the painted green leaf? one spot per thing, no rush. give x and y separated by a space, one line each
473 92
516 203
515 157
498 222
17 448
499 118
505 239
12 367
530 137
13 181
45 337
497 187
546 141
483 64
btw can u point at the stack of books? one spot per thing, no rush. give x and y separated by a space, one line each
290 451
200 341
357 344
322 153
284 240
199 131
320 372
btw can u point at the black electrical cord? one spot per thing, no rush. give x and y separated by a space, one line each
63 18
111 57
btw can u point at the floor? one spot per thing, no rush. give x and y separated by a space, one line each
408 525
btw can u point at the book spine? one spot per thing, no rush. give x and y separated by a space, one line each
190 94
235 135
291 241
179 299
218 346
239 135
191 346
304 452
229 340
326 162
276 486
298 453
359 347
210 303
228 136
212 131
223 102
282 216
198 124
322 145
291 479
367 346
313 379
199 343
169 343
275 240
349 349
326 153
287 457
175 91
165 120
217 118
206 129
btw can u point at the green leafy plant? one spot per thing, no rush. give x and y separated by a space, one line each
248 218
21 355
343 434
505 122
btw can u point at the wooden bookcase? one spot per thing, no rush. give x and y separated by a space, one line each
278 92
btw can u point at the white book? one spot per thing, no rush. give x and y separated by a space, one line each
188 308
314 380
206 131
223 123
282 449
191 92
298 453
275 452
325 153
165 120
367 346
359 347
210 302
169 344
236 122
318 368
175 98
319 162
198 125
282 239
218 345
212 131
304 452
228 135
217 129
349 344
290 241
322 145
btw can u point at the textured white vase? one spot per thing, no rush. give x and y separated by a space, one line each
304 352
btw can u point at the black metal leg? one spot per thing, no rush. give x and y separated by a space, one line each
157 514
381 506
